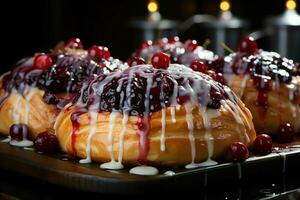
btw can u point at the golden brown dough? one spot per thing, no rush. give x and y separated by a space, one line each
282 104
224 131
38 115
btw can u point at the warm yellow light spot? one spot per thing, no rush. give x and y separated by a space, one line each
290 4
224 5
152 6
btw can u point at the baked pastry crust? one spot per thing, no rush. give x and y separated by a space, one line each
29 108
224 130
282 103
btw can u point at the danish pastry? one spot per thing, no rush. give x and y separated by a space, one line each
38 87
145 115
267 83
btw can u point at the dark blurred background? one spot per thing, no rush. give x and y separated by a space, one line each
36 26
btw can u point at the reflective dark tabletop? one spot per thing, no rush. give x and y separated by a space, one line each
17 186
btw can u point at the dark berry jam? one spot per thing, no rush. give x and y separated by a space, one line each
143 89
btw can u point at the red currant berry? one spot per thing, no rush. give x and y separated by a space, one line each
262 144
238 151
199 66
160 60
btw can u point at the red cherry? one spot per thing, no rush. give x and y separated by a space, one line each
220 78
199 66
160 60
42 61
212 74
97 53
190 45
174 39
262 144
46 143
18 132
247 45
136 61
74 43
285 133
145 44
238 151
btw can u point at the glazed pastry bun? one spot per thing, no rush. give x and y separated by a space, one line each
145 115
268 84
38 87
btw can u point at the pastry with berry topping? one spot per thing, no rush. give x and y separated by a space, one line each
35 90
158 114
267 83
179 52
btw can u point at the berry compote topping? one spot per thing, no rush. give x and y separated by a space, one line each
62 71
262 144
143 89
18 132
238 151
46 142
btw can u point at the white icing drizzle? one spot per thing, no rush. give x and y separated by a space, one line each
163 130
190 124
6 140
14 113
93 125
121 137
112 164
32 91
169 173
173 115
23 143
244 84
208 138
144 170
199 90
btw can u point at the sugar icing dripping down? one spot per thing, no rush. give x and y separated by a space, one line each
141 102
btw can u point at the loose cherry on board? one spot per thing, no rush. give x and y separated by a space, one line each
42 61
238 151
199 66
46 143
97 53
285 133
262 144
160 60
136 61
247 45
74 43
18 132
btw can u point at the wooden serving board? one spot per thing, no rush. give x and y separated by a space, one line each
90 178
